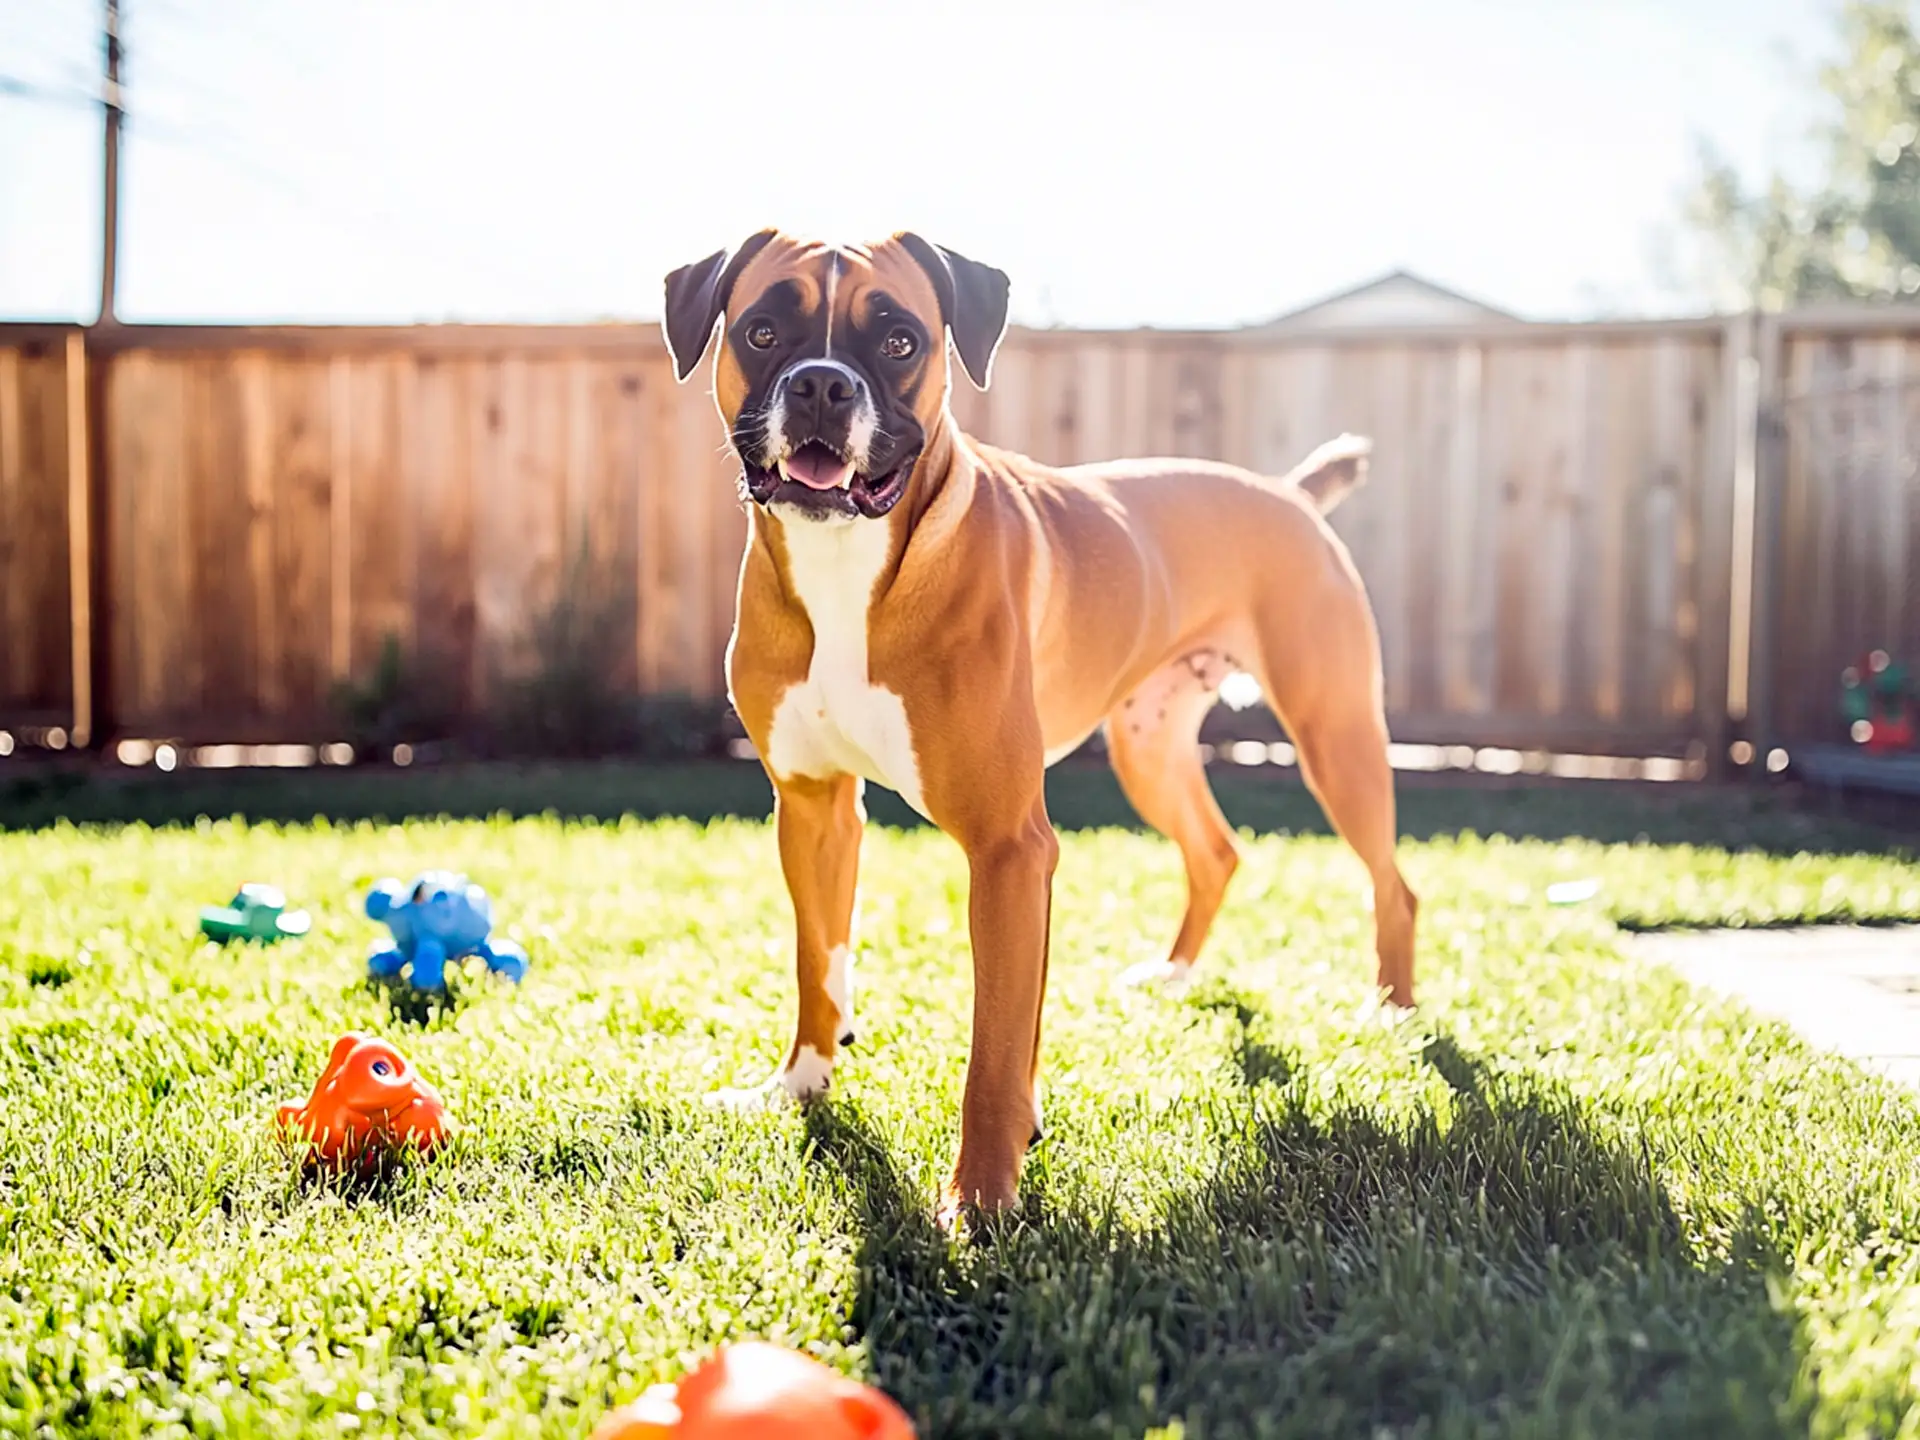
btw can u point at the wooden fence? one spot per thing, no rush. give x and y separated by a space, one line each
1563 530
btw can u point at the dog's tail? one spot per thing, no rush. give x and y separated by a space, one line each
1331 472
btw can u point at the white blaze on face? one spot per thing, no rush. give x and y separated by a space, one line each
833 284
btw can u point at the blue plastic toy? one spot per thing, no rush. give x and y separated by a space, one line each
439 917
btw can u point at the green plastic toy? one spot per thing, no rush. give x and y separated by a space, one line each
1880 703
258 912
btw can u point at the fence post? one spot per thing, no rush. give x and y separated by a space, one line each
1725 550
79 543
98 578
1763 549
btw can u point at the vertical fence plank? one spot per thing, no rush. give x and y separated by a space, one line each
1724 380
158 542
1134 399
1423 522
1795 541
695 465
252 379
1512 479
499 561
15 540
304 519
1887 562
50 672
1098 385
1906 598
79 464
1571 553
727 538
1466 589
1390 583
1651 635
341 459
383 509
36 648
440 456
218 635
1007 422
623 393
124 387
659 602
1830 460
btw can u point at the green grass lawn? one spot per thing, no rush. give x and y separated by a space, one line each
1570 1196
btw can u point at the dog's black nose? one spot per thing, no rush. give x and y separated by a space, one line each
822 392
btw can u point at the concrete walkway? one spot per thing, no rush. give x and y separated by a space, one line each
1845 988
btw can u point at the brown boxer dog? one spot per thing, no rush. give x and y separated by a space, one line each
946 619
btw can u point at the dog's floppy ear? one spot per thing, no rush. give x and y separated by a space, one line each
696 296
973 302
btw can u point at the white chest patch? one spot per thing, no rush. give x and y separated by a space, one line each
837 721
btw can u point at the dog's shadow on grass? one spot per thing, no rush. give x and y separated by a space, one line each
1507 1261
406 1004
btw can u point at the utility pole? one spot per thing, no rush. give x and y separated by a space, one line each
110 206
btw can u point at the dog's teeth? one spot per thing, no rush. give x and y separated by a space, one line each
781 466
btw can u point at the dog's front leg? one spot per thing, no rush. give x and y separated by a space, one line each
819 824
1009 910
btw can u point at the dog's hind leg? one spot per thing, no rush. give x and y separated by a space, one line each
1320 667
1345 765
1153 741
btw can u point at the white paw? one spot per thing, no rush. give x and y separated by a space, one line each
1381 1013
1172 978
805 1079
769 1094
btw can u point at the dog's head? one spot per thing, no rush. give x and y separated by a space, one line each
832 371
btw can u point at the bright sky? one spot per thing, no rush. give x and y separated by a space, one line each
1192 163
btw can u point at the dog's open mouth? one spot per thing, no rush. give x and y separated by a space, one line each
820 480
817 467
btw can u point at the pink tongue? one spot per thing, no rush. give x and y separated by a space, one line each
818 468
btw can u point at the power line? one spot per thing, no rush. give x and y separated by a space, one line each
110 218
50 94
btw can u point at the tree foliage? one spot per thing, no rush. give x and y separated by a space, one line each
1854 232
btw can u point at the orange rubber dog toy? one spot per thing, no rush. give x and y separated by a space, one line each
367 1101
754 1391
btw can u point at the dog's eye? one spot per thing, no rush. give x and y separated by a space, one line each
760 335
899 344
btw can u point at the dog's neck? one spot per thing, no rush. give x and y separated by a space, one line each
941 485
935 477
